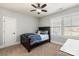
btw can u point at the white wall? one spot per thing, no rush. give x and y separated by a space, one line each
48 20
1 31
25 23
44 22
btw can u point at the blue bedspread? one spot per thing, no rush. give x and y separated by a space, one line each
28 34
35 38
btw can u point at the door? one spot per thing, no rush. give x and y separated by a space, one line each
9 28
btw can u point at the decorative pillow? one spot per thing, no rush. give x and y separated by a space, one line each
38 32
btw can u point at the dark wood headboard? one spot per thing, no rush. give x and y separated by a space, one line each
44 29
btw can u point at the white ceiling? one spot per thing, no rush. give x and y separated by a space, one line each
26 7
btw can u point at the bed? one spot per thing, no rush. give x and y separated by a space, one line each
32 40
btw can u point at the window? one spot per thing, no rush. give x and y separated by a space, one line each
66 26
71 31
71 27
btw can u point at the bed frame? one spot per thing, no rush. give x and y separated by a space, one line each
26 41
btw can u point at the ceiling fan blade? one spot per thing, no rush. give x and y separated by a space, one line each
32 10
34 6
44 10
38 5
43 5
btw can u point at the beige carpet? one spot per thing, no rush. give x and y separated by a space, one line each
47 49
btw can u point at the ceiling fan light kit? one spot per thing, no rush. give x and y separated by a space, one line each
39 8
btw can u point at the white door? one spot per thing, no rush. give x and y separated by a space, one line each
9 28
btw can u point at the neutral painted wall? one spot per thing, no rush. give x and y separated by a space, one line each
48 21
1 34
25 23
44 21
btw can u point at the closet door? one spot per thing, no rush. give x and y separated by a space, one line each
9 25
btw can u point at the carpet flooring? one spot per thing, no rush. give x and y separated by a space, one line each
47 49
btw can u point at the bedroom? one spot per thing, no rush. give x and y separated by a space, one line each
61 22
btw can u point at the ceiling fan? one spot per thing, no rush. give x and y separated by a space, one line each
39 8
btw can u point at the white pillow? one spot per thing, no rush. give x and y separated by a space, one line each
38 32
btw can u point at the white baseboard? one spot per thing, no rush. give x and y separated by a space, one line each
4 46
57 42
